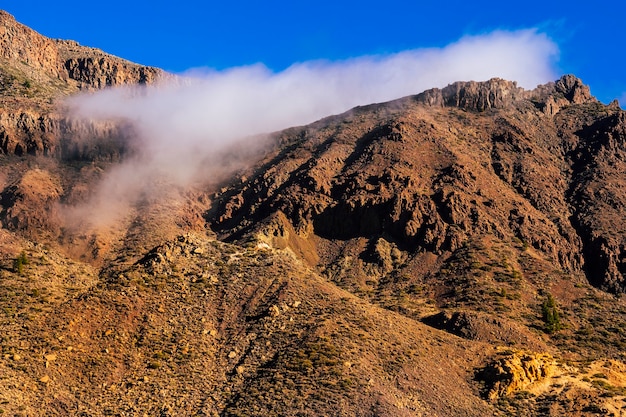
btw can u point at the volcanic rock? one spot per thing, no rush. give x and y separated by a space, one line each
516 372
35 72
435 170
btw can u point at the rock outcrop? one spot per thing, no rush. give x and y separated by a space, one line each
493 94
35 71
515 372
94 69
22 44
500 94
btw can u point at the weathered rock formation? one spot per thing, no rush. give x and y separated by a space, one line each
94 69
434 171
515 372
35 71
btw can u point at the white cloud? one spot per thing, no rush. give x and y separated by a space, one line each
179 126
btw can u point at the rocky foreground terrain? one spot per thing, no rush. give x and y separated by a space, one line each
460 252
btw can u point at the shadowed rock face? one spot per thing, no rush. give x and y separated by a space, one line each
434 171
31 133
598 200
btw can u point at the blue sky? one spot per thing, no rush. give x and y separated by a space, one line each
221 35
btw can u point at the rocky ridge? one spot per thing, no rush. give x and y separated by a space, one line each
35 72
375 176
20 43
67 60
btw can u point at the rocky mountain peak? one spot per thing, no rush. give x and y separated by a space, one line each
82 67
573 89
22 44
497 93
473 95
494 93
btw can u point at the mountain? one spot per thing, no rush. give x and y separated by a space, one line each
460 252
431 173
35 71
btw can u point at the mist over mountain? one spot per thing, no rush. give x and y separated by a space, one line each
249 243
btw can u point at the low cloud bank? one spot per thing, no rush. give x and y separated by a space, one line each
180 127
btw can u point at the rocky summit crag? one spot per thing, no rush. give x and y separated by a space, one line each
460 252
35 71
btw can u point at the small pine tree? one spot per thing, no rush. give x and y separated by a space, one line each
19 262
550 314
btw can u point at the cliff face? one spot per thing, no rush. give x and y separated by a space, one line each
500 94
35 71
94 69
29 132
67 60
20 43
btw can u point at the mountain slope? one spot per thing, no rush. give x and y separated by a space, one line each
431 172
201 327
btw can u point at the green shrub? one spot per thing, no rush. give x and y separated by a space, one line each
19 262
550 313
